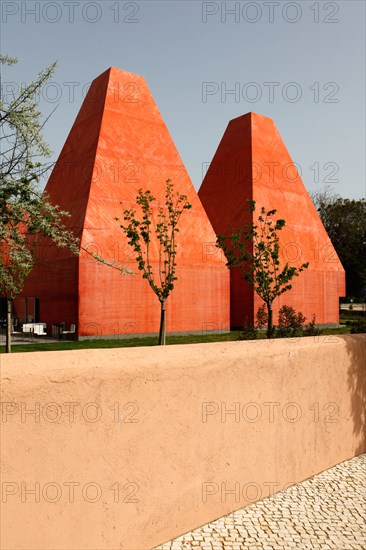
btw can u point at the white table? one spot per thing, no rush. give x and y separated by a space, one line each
35 328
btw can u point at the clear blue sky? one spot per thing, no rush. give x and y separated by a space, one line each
314 51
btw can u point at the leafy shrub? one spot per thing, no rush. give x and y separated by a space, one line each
248 332
359 327
310 329
262 317
289 322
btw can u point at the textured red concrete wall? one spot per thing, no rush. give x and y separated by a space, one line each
252 162
55 277
119 144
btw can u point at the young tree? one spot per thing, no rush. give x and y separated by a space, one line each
255 249
25 211
21 225
21 125
16 264
140 232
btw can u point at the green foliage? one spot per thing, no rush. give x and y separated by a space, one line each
25 215
248 332
16 262
140 233
25 211
345 223
359 327
262 316
289 322
21 131
310 329
355 320
255 250
6 60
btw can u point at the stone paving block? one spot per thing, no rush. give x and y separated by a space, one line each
283 522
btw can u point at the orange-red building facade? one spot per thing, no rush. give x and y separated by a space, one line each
120 143
252 163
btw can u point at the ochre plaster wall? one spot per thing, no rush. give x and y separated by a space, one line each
147 434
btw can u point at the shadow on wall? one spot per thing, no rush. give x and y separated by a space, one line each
357 387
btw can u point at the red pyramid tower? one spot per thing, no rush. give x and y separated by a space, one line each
252 162
118 144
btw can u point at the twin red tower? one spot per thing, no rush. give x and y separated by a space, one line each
118 144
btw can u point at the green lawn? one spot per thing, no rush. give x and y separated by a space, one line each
124 342
146 341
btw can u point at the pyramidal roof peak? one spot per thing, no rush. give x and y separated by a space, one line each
118 74
251 115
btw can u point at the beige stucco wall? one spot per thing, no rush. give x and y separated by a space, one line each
149 437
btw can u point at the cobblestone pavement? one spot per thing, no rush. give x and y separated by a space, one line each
326 512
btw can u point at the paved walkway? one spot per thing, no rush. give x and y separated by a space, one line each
326 512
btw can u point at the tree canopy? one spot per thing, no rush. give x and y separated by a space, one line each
141 230
345 223
25 210
255 250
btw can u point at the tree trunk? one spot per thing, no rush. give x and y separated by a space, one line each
8 325
270 321
162 332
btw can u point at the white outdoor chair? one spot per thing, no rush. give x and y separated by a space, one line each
72 331
40 329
